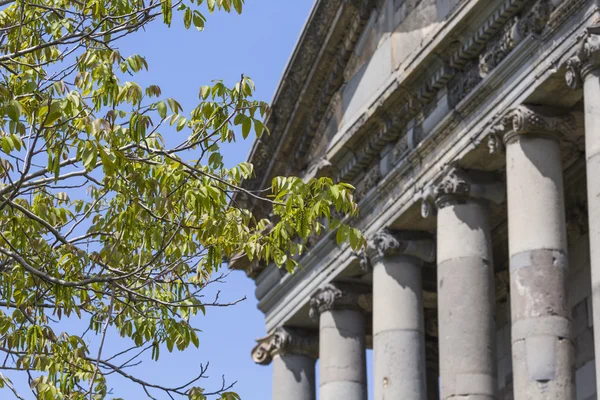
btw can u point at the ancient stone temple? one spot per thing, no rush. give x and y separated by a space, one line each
471 130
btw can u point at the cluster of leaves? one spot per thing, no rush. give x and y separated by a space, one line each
104 220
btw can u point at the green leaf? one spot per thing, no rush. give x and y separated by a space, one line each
162 109
204 92
246 127
13 110
187 18
211 5
199 20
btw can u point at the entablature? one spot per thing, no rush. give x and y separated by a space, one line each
531 73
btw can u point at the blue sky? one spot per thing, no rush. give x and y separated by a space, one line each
258 44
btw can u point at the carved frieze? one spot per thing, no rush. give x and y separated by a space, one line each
499 47
369 181
285 341
564 9
400 149
335 297
535 20
335 79
586 60
463 83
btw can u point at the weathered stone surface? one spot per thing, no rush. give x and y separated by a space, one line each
294 377
342 351
398 331
542 347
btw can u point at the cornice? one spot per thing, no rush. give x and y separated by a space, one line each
462 72
284 341
510 22
310 81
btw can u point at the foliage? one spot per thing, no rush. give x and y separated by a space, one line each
104 220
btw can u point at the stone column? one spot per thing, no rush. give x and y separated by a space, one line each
293 354
342 351
542 349
398 332
466 296
584 69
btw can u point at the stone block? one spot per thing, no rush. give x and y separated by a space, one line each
366 81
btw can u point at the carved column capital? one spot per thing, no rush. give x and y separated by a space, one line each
386 243
586 60
460 185
335 297
534 120
285 341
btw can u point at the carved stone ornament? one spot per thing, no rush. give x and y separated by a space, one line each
363 260
386 243
335 297
285 341
494 143
459 185
370 180
535 120
536 19
586 60
499 48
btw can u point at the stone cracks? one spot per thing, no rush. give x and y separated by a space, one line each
285 341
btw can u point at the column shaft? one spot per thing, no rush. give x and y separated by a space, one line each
542 350
398 338
592 149
293 377
466 302
342 352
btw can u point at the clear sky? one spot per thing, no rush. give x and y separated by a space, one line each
258 44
